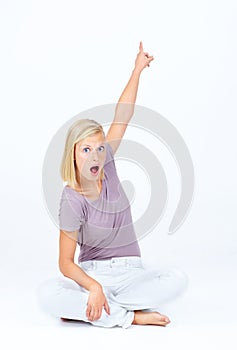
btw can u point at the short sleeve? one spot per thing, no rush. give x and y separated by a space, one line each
70 212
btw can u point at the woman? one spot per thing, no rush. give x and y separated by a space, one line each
109 286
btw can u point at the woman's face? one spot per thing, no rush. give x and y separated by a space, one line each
90 156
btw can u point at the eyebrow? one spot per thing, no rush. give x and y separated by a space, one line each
84 144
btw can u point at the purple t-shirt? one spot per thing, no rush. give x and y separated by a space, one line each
105 227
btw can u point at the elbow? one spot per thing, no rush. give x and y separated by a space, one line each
124 111
64 267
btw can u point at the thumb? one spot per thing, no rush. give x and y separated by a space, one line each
106 307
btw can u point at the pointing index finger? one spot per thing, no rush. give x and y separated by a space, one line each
140 47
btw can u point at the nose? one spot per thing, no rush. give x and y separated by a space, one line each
95 155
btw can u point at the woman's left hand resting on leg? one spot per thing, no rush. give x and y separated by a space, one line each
96 300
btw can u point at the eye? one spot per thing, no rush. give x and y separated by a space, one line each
86 150
101 149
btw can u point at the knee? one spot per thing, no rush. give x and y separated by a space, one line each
46 293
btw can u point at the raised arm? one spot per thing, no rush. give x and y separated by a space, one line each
125 106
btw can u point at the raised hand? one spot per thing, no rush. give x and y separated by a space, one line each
125 106
143 59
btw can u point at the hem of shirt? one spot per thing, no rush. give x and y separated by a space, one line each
112 257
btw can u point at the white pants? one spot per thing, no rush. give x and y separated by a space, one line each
126 285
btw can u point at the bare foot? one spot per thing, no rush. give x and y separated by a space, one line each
151 318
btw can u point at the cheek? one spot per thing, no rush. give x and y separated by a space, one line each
102 157
80 163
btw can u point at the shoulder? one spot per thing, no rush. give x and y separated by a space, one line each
72 210
70 194
109 160
71 198
109 151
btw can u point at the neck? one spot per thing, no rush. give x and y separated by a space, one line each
90 189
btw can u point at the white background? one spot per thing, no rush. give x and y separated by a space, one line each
59 58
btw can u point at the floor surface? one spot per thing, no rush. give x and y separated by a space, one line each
204 318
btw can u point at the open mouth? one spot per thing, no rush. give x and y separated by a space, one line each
94 170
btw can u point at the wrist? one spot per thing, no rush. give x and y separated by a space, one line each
94 287
137 71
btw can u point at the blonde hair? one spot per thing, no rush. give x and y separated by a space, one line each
77 132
